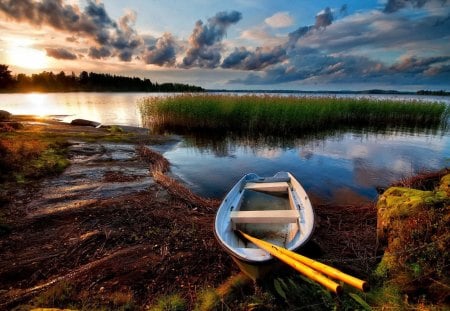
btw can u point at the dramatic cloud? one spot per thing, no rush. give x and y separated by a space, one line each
99 53
312 66
264 57
418 65
205 40
163 52
402 42
279 20
324 18
94 23
256 60
395 5
60 54
376 30
334 55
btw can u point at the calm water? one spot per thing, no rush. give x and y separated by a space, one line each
344 167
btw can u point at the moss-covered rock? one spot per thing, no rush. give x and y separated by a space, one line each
413 228
397 203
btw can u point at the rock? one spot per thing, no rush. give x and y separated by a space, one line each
5 115
412 229
83 122
395 204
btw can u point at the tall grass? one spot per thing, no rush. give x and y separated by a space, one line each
283 115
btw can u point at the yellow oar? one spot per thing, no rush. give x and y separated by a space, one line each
325 269
300 267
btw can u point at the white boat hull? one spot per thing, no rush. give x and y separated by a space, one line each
276 209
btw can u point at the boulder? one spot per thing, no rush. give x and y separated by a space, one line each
83 122
413 233
5 115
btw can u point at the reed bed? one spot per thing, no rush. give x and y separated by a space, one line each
283 115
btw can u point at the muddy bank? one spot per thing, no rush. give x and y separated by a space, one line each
114 230
104 227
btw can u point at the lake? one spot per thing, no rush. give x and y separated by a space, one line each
343 167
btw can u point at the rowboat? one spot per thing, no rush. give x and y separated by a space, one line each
274 209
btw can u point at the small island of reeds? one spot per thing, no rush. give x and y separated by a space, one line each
281 115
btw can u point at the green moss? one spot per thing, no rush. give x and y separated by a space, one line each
169 303
401 202
51 161
207 300
445 185
114 129
386 297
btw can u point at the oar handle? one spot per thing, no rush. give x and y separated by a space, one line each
300 267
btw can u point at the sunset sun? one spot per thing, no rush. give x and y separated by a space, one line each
21 54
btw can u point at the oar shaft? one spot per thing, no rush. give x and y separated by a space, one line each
330 271
300 267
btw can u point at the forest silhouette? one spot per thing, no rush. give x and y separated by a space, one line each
84 82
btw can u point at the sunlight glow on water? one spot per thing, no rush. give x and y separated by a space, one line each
106 108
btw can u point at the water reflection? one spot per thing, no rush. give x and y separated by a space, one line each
342 166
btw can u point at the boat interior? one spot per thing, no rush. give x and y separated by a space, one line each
267 211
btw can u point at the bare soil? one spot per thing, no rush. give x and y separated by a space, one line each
135 242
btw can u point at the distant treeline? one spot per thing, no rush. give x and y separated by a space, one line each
437 93
84 82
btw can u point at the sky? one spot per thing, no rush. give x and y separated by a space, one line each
236 44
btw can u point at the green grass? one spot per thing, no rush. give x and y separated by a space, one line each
23 159
281 115
169 303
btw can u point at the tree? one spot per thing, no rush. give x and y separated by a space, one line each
6 79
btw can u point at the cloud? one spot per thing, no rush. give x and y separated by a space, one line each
205 49
396 5
311 66
72 39
259 59
163 52
280 20
60 53
324 18
93 23
414 64
98 53
388 32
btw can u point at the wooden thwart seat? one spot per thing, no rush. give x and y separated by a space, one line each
265 216
271 186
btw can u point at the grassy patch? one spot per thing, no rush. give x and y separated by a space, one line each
23 158
57 296
169 303
286 115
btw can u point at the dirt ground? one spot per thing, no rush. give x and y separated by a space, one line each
109 241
